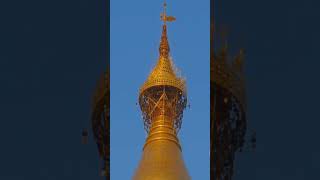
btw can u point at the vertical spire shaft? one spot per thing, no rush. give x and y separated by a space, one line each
162 99
164 44
164 48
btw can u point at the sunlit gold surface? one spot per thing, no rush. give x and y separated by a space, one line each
162 99
163 73
162 157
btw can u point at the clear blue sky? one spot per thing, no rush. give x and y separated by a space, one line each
135 29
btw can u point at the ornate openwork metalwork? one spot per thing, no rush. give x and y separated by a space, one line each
163 82
100 122
162 99
168 98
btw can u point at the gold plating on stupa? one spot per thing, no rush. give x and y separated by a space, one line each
163 76
162 99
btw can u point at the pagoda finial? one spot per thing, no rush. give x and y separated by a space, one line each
162 100
163 15
164 45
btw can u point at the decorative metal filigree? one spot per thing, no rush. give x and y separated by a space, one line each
162 99
163 78
151 102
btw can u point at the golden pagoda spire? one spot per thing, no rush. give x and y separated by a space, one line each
162 99
164 48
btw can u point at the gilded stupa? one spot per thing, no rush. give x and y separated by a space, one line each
162 99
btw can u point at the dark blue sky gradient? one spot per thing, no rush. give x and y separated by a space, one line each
281 39
51 55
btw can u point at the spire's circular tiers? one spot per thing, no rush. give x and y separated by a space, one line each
163 75
163 78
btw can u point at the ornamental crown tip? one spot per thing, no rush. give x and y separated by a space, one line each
164 73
